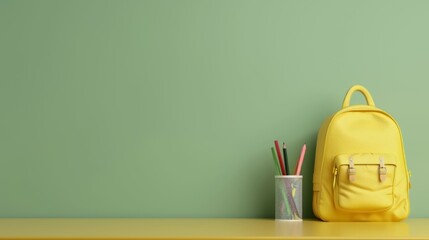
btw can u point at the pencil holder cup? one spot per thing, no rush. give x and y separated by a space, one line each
288 197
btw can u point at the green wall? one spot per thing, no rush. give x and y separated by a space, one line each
169 108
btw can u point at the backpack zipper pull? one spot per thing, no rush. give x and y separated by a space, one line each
335 171
409 181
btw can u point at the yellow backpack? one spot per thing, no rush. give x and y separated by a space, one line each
360 171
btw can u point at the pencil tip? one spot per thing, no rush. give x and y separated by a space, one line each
284 145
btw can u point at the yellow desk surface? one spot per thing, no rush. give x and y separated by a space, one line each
117 228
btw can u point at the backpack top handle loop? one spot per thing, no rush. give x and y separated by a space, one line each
361 89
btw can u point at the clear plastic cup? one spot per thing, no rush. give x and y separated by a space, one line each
288 197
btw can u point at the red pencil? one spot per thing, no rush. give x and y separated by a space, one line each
279 155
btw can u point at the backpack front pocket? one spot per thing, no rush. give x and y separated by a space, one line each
364 182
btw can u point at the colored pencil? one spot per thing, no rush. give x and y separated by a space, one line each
286 159
279 155
301 159
276 162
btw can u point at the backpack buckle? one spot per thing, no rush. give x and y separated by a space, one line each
351 171
382 170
